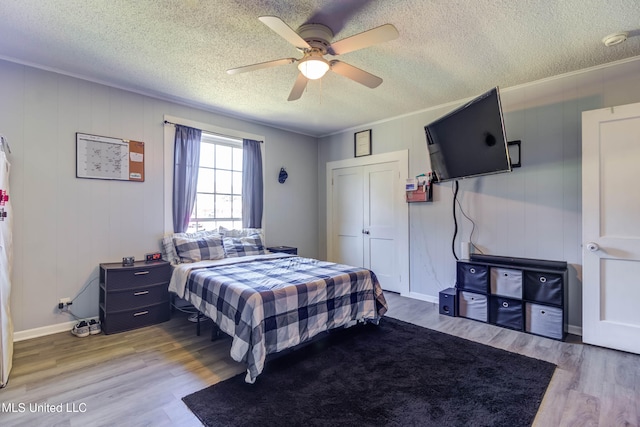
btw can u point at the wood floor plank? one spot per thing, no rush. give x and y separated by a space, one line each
139 377
581 410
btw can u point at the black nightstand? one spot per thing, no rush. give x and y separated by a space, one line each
133 296
284 249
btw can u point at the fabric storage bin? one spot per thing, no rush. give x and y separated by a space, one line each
506 282
506 312
472 306
543 287
544 320
472 277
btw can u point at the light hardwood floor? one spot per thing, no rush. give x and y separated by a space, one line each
138 378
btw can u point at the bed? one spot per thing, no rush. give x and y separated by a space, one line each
269 302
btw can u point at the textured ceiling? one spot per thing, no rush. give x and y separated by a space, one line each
447 50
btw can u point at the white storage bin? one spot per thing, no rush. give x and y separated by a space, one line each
506 282
472 305
544 320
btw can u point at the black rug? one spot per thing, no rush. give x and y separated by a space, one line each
394 374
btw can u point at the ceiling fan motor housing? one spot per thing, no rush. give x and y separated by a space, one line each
317 35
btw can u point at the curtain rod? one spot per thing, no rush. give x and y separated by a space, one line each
167 122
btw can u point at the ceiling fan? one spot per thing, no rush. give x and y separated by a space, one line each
314 41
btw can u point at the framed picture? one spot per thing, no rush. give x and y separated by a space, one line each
362 143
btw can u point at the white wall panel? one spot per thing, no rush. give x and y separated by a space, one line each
65 226
532 212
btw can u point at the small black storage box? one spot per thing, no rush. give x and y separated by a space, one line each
472 277
506 312
543 287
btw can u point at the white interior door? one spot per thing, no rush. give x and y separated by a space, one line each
381 188
611 227
347 216
367 219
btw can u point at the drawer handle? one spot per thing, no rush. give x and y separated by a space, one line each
139 273
543 312
140 293
505 304
472 270
543 279
141 313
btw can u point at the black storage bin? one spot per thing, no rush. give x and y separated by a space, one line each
472 277
543 287
506 312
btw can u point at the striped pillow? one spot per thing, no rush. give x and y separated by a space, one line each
243 246
192 249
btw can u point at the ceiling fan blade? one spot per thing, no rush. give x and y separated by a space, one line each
368 38
355 74
298 87
284 31
268 64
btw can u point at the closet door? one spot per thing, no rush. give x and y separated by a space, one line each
381 187
347 216
364 220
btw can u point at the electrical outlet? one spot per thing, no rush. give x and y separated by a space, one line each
64 302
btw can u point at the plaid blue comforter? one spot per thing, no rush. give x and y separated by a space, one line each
273 304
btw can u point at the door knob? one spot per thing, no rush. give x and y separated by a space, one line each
365 231
592 246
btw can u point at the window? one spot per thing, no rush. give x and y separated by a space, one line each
219 191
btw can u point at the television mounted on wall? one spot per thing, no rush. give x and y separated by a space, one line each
469 141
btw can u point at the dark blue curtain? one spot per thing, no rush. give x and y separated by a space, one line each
252 192
186 157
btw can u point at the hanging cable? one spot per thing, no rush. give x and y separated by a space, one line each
473 227
455 221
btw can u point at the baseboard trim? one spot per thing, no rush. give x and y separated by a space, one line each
422 297
45 330
574 330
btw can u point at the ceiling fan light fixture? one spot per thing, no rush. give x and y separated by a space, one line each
313 67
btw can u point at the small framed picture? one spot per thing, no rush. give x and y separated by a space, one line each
362 143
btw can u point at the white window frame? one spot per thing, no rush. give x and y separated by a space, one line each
169 137
215 139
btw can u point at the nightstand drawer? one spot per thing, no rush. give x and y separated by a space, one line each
132 319
136 277
139 297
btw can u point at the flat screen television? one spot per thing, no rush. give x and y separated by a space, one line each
469 141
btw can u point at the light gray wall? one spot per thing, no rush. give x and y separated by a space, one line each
65 226
533 212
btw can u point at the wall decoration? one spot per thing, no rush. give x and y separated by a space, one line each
101 157
362 143
282 176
